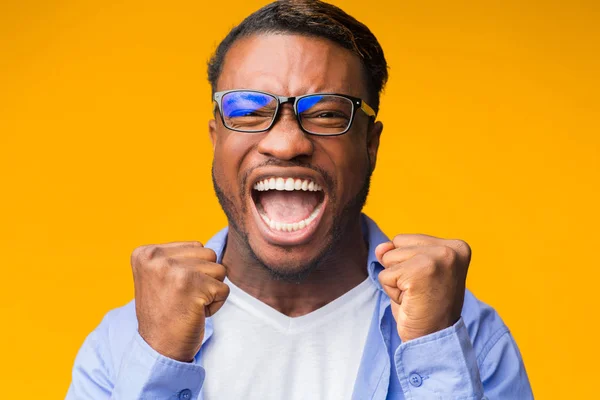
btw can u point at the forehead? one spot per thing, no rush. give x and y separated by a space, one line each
291 65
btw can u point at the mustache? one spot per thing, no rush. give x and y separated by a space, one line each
273 162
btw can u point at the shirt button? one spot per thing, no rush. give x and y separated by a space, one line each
415 380
185 394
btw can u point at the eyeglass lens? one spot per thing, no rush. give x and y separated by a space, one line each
254 111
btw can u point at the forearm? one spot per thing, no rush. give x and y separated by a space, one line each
142 374
444 365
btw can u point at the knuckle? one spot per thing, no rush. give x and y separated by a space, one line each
204 281
406 286
154 252
462 247
430 270
384 275
388 277
202 300
221 268
411 239
385 259
208 292
219 271
429 266
381 277
213 290
448 254
140 255
209 255
170 262
399 239
226 290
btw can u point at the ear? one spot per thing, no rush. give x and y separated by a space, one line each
373 136
212 131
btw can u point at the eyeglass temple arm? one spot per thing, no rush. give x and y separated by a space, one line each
367 109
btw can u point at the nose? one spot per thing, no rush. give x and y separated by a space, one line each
286 140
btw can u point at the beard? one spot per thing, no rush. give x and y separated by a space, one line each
342 220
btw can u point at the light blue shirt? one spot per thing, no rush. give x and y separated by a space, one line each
477 358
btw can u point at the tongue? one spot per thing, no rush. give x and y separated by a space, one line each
288 207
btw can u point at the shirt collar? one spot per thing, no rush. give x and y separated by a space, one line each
373 235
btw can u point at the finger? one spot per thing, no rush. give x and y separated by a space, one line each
422 264
389 282
190 251
154 251
461 247
393 293
389 276
195 265
382 249
191 243
402 254
416 273
216 292
213 270
405 240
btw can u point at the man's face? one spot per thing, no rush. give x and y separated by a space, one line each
310 222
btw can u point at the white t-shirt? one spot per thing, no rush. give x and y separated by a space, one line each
257 353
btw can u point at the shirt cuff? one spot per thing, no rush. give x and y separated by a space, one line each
146 374
441 365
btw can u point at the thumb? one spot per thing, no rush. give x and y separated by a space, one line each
383 248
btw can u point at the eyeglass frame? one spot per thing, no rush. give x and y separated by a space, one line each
357 103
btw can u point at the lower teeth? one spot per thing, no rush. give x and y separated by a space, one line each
296 226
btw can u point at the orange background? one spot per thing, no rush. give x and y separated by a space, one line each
491 135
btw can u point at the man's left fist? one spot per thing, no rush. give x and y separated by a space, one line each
425 279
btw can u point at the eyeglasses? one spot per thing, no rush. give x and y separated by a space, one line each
325 114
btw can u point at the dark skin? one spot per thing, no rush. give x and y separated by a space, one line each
293 65
178 285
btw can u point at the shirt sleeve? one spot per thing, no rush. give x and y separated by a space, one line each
143 374
444 365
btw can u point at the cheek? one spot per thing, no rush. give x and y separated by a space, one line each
229 156
351 164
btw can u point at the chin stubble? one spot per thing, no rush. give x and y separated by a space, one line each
297 273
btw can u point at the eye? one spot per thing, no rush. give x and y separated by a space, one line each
247 113
241 113
329 114
325 114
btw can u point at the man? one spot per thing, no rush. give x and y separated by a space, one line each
302 297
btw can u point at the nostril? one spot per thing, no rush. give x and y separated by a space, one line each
285 143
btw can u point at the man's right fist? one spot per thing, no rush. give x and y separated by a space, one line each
177 285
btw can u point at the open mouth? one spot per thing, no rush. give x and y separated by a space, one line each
289 207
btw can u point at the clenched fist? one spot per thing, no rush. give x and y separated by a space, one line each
425 279
177 285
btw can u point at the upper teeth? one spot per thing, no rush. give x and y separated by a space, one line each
287 184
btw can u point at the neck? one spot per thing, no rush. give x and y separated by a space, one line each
343 269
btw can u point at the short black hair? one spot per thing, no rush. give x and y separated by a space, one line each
311 18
